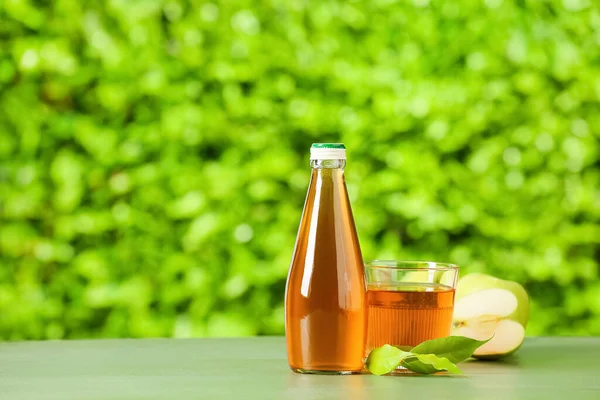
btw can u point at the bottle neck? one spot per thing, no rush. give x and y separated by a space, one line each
328 164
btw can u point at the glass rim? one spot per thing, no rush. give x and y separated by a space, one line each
410 265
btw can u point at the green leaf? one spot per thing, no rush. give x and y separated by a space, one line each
385 359
429 363
455 348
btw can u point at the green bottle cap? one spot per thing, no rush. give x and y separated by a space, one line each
328 151
327 146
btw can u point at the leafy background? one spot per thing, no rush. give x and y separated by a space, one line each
154 154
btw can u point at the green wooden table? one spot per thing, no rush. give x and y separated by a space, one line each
256 368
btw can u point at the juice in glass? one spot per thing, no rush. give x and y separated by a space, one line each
409 303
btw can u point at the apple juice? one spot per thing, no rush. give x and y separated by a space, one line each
325 302
408 314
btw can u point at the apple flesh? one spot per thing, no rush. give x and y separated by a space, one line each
486 307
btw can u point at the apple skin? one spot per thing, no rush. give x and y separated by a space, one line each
476 281
494 357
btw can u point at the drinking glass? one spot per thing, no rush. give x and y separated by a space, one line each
409 302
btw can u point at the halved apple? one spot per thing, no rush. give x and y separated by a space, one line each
486 306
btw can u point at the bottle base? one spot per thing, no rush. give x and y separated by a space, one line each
322 372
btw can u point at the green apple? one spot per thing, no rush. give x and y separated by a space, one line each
486 306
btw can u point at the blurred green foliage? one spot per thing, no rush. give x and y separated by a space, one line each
154 153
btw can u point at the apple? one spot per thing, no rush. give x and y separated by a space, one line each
486 306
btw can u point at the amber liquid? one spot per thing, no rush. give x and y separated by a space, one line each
325 293
406 315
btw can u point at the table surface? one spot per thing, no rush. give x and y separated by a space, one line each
256 368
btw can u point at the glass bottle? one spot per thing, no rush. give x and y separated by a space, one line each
325 299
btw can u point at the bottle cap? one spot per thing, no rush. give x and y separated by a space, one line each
328 151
